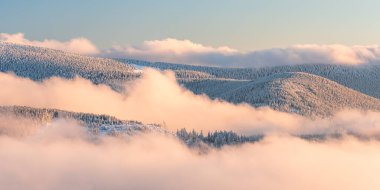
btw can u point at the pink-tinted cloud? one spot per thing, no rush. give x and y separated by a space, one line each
158 98
58 158
76 45
187 52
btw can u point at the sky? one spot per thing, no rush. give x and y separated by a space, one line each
244 25
232 33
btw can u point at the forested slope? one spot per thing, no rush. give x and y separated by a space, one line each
300 93
98 124
40 63
365 78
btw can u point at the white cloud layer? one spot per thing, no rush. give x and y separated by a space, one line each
76 45
158 98
187 52
62 157
176 47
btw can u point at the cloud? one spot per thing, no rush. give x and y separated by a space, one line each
155 98
177 47
158 98
54 160
187 52
76 45
60 156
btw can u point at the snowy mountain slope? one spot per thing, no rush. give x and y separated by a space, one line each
41 63
365 79
296 92
107 125
189 75
233 85
98 124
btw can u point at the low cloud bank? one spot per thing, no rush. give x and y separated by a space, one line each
188 52
155 98
158 98
59 157
75 45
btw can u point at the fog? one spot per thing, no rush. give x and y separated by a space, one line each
58 157
62 155
156 98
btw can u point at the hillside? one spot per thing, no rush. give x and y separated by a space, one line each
365 79
107 125
297 92
311 90
40 63
97 124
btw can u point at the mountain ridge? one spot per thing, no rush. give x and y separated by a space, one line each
362 78
232 85
301 93
39 63
95 123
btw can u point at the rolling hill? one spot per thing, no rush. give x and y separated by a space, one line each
310 90
103 125
97 124
365 78
296 92
40 63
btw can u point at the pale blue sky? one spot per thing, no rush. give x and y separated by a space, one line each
240 24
